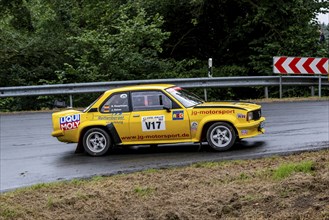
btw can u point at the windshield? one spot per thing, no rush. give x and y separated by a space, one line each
188 99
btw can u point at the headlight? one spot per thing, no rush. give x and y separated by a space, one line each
250 116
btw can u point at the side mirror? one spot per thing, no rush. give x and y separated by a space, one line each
167 108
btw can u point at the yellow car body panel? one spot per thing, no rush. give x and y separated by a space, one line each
156 114
233 115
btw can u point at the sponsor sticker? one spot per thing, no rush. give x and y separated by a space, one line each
115 118
194 126
106 108
241 115
244 132
69 122
178 115
213 112
153 123
123 96
118 108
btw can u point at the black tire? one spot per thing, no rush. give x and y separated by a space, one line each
96 142
153 146
221 136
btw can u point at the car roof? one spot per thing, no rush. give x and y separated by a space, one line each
141 87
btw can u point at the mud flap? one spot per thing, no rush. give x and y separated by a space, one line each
114 134
79 148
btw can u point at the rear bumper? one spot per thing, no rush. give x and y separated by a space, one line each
57 133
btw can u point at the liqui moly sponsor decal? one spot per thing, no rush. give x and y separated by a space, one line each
70 122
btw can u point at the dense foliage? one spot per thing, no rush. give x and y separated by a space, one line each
48 42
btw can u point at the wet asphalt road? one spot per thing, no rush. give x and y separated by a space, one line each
29 155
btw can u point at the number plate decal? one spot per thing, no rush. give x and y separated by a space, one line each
153 123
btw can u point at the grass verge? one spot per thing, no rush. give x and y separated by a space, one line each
286 170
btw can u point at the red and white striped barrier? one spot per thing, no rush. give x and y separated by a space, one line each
300 65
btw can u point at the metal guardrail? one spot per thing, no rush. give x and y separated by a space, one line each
205 82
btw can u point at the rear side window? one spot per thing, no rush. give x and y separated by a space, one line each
149 100
116 103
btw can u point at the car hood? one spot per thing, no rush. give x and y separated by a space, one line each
238 105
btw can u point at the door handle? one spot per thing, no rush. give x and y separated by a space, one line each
136 116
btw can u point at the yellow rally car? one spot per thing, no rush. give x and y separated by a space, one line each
156 114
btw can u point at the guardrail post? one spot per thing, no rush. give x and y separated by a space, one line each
71 101
312 91
319 85
266 92
280 86
205 94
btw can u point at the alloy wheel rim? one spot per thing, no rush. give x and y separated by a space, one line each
96 142
221 136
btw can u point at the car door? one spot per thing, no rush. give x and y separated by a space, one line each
115 110
149 121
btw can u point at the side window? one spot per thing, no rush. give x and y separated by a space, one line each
149 100
116 103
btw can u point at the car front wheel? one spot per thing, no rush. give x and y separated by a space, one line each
221 136
96 142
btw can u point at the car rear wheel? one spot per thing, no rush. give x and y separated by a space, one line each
221 136
96 141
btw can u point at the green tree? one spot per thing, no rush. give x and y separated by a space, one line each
46 42
124 45
33 43
239 33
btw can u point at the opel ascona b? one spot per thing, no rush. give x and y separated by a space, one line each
153 115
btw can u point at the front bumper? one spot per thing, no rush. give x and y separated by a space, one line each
251 129
261 127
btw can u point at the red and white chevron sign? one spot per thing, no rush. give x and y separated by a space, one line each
300 65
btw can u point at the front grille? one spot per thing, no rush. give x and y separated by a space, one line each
257 114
